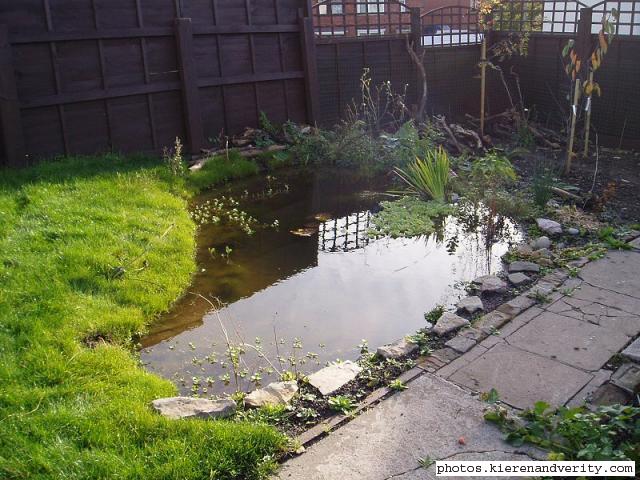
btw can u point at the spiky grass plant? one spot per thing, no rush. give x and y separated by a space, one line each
429 177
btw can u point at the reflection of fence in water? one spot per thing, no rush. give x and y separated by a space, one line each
346 233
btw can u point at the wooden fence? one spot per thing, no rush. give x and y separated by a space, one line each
86 76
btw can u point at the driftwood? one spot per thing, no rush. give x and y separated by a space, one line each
565 194
248 152
440 120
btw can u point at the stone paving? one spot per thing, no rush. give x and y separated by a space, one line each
553 352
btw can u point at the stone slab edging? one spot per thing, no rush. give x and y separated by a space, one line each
439 359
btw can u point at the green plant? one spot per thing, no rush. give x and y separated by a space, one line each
173 159
493 170
428 177
608 235
397 386
408 217
433 315
542 185
608 433
341 404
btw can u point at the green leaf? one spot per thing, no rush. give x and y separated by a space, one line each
567 48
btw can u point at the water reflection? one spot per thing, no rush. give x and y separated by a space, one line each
330 289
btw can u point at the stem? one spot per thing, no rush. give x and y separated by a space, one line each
572 131
483 82
587 128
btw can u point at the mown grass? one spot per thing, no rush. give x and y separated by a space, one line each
91 250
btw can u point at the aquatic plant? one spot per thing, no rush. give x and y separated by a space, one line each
428 177
408 217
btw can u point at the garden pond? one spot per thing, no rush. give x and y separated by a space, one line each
292 266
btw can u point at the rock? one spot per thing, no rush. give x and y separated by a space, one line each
429 326
189 407
516 306
461 344
279 393
398 349
492 322
519 279
524 250
549 226
540 243
470 305
627 377
455 198
542 253
542 289
573 231
335 376
545 262
449 322
609 394
561 246
632 352
579 263
516 267
491 284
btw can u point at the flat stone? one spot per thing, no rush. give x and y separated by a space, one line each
585 395
398 349
335 376
521 378
627 377
519 266
387 440
608 298
461 343
541 288
516 306
279 393
573 231
449 322
524 250
190 407
492 322
470 305
549 226
609 394
618 271
580 344
540 243
519 279
598 314
632 352
579 263
635 243
491 284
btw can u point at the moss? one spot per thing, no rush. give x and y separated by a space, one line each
408 217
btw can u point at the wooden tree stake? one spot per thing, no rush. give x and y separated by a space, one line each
587 128
574 119
483 82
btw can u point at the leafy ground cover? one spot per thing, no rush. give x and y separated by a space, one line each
91 250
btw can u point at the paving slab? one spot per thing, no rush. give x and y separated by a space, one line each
522 378
427 420
618 272
574 342
609 298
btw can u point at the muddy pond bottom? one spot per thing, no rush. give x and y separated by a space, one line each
305 284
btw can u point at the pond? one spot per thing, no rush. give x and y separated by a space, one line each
313 296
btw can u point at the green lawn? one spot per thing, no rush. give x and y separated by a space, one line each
91 250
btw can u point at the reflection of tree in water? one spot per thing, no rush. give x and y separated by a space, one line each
346 233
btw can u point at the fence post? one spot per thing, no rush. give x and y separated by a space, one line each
189 78
10 120
308 44
416 28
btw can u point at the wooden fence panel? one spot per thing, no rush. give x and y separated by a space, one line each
132 75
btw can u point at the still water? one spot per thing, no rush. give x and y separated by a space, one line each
313 297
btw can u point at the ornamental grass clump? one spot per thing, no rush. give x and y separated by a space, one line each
429 177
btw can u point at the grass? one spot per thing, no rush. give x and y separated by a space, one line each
428 177
221 169
91 251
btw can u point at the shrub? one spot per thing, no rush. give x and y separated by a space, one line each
493 170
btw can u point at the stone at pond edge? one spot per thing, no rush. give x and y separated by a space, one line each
470 305
540 243
279 393
627 377
398 349
549 226
461 343
491 284
519 279
189 407
632 352
335 376
516 267
449 322
573 231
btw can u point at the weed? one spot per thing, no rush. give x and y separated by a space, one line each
609 236
542 183
173 159
426 462
493 170
341 404
608 433
398 386
434 314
